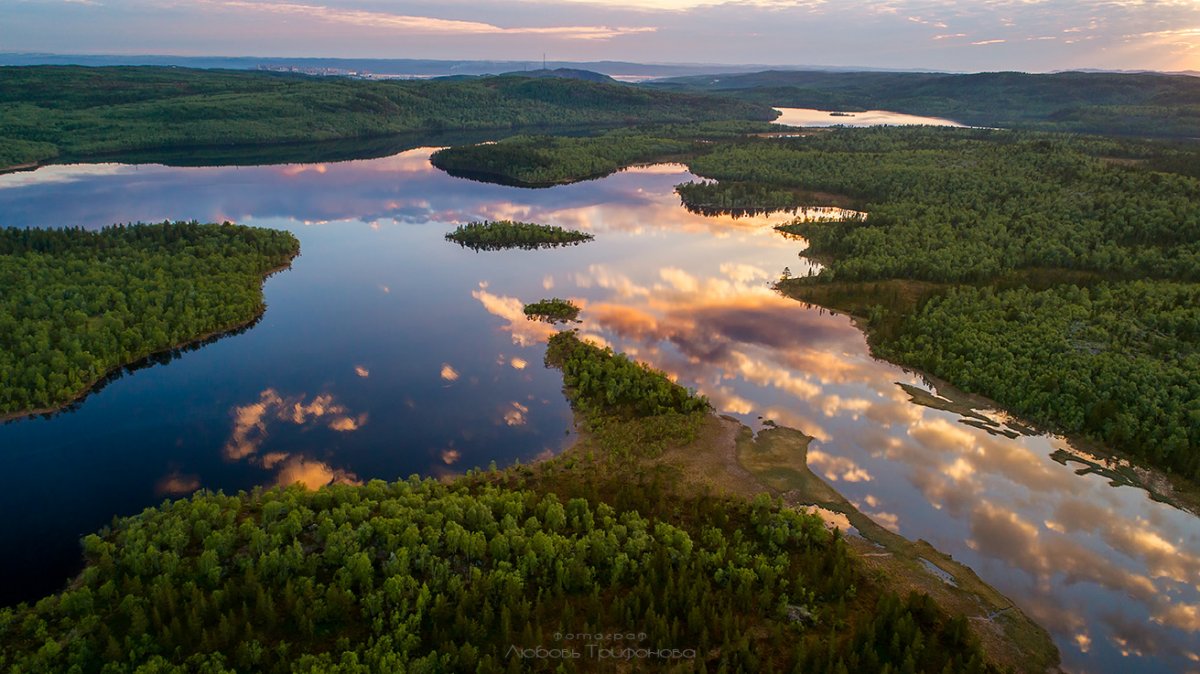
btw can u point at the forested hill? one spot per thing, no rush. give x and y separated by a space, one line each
69 112
1120 103
565 73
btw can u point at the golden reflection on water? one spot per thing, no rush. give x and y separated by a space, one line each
524 331
176 484
812 117
251 431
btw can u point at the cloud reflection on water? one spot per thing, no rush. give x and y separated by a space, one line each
251 431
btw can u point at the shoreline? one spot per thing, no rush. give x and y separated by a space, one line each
1159 485
421 137
728 457
146 360
27 166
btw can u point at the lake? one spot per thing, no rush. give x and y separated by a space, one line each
811 117
386 351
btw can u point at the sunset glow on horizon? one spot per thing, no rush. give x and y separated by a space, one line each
1042 35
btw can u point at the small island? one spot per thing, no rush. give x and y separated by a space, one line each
504 234
554 310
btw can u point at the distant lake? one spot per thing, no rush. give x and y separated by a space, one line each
811 117
387 351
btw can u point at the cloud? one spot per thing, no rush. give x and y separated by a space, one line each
176 484
679 279
312 474
894 34
516 414
524 331
836 468
250 432
426 25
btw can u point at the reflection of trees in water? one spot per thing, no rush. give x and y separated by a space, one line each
739 199
505 234
716 211
519 246
736 198
159 358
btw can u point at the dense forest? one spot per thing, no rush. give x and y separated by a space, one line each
633 409
17 153
506 234
1112 243
78 304
422 577
545 160
553 310
1139 104
80 112
745 198
556 568
957 205
542 161
1117 361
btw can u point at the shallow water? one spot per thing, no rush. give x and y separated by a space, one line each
387 351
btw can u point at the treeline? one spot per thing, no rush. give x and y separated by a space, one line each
545 160
422 576
957 205
716 198
541 161
1137 104
1116 362
14 153
502 234
84 112
78 304
1060 269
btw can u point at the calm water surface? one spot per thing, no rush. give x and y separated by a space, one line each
811 117
387 351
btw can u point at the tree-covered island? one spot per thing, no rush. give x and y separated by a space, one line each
504 234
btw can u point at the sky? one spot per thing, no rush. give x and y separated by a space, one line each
969 35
